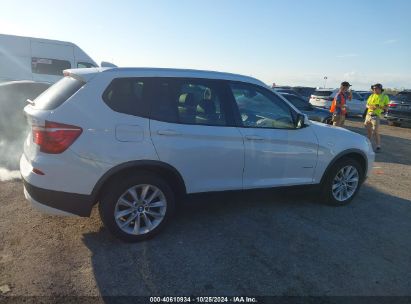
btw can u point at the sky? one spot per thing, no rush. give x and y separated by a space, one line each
288 42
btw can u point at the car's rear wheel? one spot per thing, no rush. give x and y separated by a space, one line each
342 182
137 208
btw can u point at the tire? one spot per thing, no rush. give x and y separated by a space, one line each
137 213
333 199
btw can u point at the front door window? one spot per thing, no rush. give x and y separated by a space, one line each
260 109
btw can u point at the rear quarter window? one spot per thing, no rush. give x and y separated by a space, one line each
58 93
127 95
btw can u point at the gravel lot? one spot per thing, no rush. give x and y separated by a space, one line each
278 242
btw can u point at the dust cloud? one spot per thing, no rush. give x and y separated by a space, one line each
13 125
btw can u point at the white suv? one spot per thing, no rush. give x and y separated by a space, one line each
136 140
322 98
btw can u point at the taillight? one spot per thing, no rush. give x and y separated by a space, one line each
55 138
392 104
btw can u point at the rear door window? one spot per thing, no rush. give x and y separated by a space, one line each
189 101
58 93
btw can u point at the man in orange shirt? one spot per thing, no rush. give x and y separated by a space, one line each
338 107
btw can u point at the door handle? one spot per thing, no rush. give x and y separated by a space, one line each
254 137
167 132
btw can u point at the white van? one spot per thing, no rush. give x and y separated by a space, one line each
28 66
39 60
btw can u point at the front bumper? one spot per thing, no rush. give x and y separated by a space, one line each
58 202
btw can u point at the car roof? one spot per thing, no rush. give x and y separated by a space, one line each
163 72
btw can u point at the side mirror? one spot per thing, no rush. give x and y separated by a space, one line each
301 120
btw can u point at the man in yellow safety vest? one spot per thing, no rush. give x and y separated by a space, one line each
377 103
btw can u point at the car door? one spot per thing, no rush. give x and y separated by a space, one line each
276 152
193 130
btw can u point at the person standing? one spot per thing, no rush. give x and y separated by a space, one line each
377 103
338 108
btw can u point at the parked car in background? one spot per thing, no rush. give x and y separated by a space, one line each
305 92
399 109
364 94
313 113
137 140
322 98
284 90
357 105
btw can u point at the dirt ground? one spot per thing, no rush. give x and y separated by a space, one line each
278 242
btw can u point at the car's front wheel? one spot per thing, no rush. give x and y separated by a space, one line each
342 182
137 207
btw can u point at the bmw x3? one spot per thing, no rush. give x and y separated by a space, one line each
136 141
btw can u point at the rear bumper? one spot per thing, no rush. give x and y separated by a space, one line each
57 202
